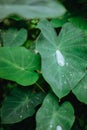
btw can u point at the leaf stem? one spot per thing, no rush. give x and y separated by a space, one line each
40 87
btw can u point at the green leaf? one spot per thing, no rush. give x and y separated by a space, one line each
31 8
19 64
52 116
58 22
64 58
1 129
79 22
19 105
14 37
81 90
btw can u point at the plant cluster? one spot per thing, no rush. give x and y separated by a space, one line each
43 65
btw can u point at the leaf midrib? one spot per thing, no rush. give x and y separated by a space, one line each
13 64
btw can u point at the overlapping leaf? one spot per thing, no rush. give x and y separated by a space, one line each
52 116
81 90
14 37
79 22
19 64
19 105
31 8
64 58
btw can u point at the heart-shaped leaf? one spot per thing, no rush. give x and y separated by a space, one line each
19 105
19 64
52 116
64 58
31 8
13 37
81 90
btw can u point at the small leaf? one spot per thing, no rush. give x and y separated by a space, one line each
52 116
81 90
19 64
14 37
58 22
62 57
31 8
79 22
19 105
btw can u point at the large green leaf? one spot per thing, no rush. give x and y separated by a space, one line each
13 37
19 105
52 116
19 64
64 58
81 90
31 8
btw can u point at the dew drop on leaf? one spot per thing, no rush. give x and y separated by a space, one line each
66 64
36 51
20 116
59 127
60 58
65 82
51 126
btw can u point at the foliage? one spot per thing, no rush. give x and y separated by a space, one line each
43 65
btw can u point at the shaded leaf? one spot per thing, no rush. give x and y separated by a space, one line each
1 129
52 116
19 105
81 90
58 22
14 37
64 58
19 64
31 8
79 22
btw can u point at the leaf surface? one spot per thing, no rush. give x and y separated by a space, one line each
14 37
79 22
19 105
31 8
81 90
64 58
52 116
19 64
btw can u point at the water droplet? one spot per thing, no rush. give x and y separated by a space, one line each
51 126
20 116
60 58
64 82
67 64
36 51
70 74
58 127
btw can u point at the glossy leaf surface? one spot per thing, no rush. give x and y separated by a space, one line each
19 105
52 116
64 57
19 64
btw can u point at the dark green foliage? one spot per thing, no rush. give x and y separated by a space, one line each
43 65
